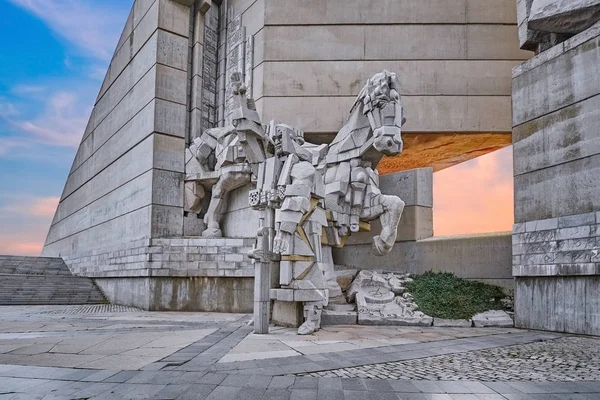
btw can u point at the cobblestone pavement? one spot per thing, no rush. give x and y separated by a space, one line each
564 359
121 354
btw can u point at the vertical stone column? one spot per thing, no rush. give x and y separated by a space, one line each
415 188
173 90
262 274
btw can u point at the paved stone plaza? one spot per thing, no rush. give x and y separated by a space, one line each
112 352
563 359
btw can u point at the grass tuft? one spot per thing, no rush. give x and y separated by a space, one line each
443 295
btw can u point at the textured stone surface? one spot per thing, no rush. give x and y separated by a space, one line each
169 293
486 257
555 239
496 318
451 323
144 92
43 281
563 16
571 359
287 313
381 300
333 317
574 307
325 51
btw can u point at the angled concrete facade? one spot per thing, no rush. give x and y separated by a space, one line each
126 183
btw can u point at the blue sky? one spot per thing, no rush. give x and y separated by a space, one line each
54 56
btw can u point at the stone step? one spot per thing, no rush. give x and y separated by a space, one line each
44 281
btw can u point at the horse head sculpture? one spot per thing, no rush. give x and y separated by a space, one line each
381 104
375 121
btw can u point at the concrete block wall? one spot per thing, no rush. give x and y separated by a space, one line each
556 115
453 57
176 274
126 182
482 257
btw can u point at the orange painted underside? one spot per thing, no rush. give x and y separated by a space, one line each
442 150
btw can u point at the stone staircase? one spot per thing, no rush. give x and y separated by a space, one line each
44 281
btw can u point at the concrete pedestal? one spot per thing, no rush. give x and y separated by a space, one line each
287 313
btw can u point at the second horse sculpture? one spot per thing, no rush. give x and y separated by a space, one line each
313 197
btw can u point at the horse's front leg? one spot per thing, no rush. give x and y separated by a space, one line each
226 183
393 207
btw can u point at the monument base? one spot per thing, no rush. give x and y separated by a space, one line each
200 294
174 274
287 313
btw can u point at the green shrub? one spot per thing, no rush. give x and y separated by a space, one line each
443 295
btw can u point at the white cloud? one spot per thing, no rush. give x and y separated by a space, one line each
93 26
7 110
61 122
28 90
9 144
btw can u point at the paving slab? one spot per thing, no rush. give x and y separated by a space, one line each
215 356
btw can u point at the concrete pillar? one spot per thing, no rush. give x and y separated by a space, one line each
415 188
556 241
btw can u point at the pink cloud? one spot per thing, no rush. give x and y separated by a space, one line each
20 248
24 223
45 207
476 196
38 206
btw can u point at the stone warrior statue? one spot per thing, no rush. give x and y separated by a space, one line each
312 196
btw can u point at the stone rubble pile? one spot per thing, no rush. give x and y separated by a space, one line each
381 298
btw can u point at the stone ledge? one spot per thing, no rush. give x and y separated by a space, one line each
556 51
576 269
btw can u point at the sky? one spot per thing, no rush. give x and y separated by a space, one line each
54 56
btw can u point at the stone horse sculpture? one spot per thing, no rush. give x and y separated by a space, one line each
349 199
317 195
220 161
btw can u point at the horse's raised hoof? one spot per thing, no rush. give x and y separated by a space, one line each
212 233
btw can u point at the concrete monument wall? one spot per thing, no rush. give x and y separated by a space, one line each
481 257
556 243
453 57
121 217
126 183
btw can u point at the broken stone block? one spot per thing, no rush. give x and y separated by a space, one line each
365 278
563 16
345 278
397 312
494 318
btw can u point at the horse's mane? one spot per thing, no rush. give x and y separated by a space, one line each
373 88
